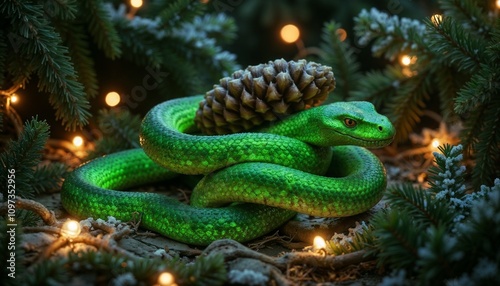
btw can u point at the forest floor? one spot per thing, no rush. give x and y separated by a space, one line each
407 166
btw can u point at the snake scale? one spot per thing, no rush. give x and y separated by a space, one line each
254 181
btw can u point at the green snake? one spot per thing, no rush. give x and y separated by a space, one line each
254 181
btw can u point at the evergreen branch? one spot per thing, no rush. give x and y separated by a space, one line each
180 70
446 178
420 205
196 47
450 42
219 27
120 131
140 38
341 58
468 13
179 11
483 86
392 35
473 123
359 238
101 28
23 155
448 81
62 10
48 178
378 87
405 109
49 58
398 239
488 146
79 51
117 269
438 257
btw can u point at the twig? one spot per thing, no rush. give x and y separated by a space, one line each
104 244
47 216
323 261
232 250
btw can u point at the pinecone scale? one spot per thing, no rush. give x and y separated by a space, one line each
263 93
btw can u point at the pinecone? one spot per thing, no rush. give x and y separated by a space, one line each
263 93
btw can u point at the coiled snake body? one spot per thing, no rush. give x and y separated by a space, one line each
253 182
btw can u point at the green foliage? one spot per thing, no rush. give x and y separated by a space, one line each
48 177
120 131
54 40
357 239
23 156
116 269
456 62
38 48
443 235
178 39
340 56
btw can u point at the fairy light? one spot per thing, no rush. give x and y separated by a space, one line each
498 4
319 243
405 60
435 143
71 228
436 19
14 98
166 279
290 33
112 98
78 141
342 34
136 3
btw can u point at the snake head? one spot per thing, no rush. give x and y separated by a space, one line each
355 123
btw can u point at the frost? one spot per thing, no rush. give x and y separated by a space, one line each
160 252
124 279
396 279
247 277
389 31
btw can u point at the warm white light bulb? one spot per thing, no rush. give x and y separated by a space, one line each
14 98
166 279
71 228
136 3
435 143
78 141
498 4
406 60
342 34
112 98
436 19
290 33
319 243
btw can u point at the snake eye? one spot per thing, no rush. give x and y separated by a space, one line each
349 122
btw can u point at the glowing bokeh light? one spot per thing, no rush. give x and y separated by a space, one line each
319 243
290 33
405 60
14 98
342 34
136 3
436 19
166 279
71 228
78 141
112 98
